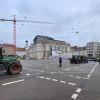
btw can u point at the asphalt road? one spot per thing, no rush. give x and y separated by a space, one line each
45 80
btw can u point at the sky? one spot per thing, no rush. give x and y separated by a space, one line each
67 17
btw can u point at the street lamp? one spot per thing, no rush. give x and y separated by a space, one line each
26 48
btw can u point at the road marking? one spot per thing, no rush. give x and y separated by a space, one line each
86 78
74 96
52 72
91 72
13 82
48 78
75 67
67 69
71 76
37 76
42 77
55 80
78 77
72 84
63 82
28 69
89 76
78 90
28 74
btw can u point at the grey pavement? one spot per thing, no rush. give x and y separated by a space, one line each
45 80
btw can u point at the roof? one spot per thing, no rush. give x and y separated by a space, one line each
20 49
8 45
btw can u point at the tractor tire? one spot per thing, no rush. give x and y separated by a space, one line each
15 68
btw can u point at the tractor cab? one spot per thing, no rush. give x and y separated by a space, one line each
9 63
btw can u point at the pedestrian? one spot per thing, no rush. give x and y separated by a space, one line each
99 60
60 62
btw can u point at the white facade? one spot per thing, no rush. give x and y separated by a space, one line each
93 49
44 48
79 51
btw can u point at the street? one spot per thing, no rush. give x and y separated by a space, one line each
45 80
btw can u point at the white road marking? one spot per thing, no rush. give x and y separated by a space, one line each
48 78
91 72
13 82
72 84
55 80
67 69
78 77
28 69
52 72
74 96
37 73
42 77
42 71
78 90
89 76
86 78
28 74
63 82
71 76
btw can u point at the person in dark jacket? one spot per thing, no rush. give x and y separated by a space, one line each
99 60
60 62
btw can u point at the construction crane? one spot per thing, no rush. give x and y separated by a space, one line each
14 27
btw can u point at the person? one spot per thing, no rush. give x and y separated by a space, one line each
99 60
60 62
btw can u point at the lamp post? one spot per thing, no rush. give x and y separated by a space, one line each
26 48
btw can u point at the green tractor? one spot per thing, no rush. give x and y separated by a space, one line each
9 63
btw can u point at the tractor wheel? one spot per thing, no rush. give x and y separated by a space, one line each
15 68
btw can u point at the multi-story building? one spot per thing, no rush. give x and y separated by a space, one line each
44 47
9 49
79 50
93 49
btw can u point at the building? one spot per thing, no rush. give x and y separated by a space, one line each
44 47
9 49
20 51
79 50
93 49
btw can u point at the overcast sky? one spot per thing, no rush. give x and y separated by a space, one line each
67 17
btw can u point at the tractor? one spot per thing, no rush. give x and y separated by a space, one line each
10 64
76 59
